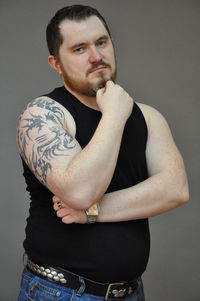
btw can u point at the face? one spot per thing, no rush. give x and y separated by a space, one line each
86 56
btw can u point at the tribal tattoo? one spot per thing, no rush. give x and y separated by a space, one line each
52 138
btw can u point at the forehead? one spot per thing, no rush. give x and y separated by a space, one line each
80 31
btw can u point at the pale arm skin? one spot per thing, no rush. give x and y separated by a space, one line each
165 189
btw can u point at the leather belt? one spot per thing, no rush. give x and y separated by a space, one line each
108 290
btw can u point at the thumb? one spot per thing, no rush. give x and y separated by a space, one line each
109 83
100 92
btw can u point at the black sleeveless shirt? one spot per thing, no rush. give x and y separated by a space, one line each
104 252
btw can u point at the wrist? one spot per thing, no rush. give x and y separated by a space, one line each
92 213
113 121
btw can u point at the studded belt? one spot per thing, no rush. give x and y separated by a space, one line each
108 290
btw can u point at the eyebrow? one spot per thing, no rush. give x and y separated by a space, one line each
104 37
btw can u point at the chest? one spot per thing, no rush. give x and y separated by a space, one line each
133 144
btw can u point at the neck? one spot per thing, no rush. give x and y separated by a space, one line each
89 101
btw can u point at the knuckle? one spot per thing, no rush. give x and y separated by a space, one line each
109 82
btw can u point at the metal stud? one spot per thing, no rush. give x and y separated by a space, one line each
49 276
47 271
44 274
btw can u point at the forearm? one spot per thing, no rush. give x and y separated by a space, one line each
90 172
156 195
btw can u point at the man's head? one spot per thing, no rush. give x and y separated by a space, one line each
81 50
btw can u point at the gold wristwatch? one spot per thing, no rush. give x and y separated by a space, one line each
92 213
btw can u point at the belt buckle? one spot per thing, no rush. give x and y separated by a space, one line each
116 293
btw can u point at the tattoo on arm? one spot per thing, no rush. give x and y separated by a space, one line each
52 138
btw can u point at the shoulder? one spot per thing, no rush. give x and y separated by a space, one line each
151 115
47 106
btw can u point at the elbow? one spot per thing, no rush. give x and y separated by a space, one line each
183 193
76 201
76 195
79 200
185 196
183 199
178 183
178 191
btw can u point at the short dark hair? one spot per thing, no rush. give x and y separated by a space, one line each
73 12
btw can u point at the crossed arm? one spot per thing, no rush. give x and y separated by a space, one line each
165 189
58 161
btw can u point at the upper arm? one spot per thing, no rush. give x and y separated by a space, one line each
161 151
45 143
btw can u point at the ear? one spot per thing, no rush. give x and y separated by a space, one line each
54 63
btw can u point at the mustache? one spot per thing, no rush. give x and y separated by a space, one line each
99 64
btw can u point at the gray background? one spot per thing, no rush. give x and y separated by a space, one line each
158 49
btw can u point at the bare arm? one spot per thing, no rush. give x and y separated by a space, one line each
78 177
165 189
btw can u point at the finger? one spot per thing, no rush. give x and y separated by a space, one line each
55 207
109 83
62 212
68 219
100 92
103 90
58 205
55 199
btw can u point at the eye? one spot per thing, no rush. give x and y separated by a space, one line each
101 43
79 50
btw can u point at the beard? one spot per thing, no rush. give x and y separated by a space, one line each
85 87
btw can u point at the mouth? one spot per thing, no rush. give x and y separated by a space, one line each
98 69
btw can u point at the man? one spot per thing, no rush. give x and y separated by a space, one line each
107 162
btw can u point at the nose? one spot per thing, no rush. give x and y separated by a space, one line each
94 55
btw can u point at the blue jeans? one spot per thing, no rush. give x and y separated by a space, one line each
35 288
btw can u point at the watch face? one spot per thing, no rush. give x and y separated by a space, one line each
92 213
93 210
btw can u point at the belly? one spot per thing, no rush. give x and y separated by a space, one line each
104 252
